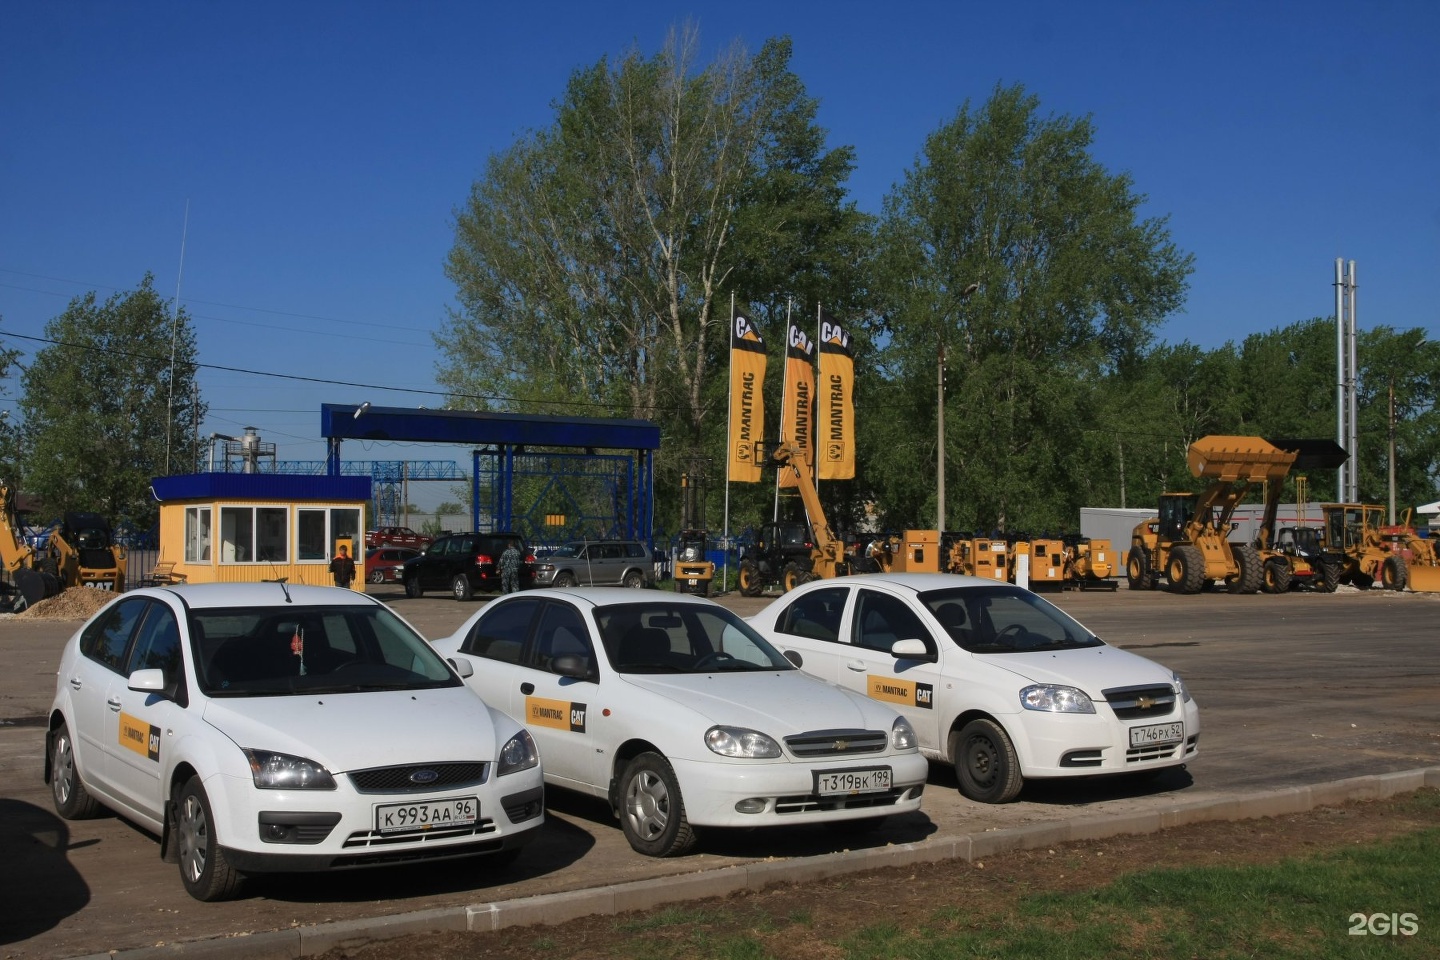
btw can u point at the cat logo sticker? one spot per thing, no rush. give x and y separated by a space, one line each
904 692
555 714
141 737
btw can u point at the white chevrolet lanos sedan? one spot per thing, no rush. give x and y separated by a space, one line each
994 679
261 728
682 716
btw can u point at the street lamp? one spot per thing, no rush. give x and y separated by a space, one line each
940 425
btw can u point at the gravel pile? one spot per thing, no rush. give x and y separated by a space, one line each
76 603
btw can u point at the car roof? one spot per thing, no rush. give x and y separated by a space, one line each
207 595
913 582
607 596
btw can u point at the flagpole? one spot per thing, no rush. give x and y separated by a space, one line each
784 400
729 412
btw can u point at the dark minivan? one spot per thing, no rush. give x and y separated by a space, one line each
464 564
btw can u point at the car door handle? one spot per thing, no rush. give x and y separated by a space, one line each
527 688
857 665
113 703
76 683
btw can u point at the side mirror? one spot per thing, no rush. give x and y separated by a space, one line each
794 657
147 681
571 665
463 668
913 649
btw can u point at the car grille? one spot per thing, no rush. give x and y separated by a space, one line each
374 839
1131 703
402 779
837 743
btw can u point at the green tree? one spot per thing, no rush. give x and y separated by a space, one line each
1072 284
8 433
595 261
100 417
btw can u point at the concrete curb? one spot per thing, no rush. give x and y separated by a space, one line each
646 894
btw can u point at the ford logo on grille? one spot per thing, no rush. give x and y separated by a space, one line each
424 776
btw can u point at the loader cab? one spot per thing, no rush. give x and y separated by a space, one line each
1176 511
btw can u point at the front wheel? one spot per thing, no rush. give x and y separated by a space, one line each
986 763
1394 574
1248 573
1185 569
412 587
376 576
790 576
564 580
750 585
652 811
1328 576
634 580
72 800
460 587
204 868
1277 575
1137 569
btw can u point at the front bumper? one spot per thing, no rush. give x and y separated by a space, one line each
711 791
1070 745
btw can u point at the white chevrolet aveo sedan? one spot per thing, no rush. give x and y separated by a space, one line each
994 679
682 716
270 728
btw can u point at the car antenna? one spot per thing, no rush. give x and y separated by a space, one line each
283 587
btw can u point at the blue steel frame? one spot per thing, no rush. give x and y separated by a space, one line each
509 435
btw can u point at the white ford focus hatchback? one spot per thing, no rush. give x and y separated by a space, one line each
261 728
682 716
994 679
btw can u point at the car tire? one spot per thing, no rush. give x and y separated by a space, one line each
986 763
652 812
204 868
633 580
72 800
1248 572
1328 579
413 588
460 588
564 580
376 576
1185 569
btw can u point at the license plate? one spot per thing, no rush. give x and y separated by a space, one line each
427 814
1157 734
843 782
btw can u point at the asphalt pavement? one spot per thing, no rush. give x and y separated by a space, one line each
1296 691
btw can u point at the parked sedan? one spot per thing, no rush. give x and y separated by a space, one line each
260 728
994 679
396 537
383 564
682 716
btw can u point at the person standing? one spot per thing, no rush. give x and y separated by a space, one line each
510 568
342 568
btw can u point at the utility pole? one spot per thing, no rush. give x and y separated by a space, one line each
940 421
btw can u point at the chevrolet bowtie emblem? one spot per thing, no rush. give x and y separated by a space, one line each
842 744
1144 703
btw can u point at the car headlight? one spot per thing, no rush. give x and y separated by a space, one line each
1180 688
280 771
519 753
902 735
1054 698
740 742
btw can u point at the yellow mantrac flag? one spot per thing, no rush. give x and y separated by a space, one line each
836 402
747 400
797 422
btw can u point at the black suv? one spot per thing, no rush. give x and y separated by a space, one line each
465 563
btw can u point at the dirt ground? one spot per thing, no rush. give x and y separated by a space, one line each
835 909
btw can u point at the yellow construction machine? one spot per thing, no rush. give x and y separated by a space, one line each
29 577
975 556
694 571
1292 556
85 553
1090 563
1367 552
771 563
1189 542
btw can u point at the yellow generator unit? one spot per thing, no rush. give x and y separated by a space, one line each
1047 563
1090 564
984 557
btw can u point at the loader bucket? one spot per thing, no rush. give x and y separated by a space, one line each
1253 459
1424 579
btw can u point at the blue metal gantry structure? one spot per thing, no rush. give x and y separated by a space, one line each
544 446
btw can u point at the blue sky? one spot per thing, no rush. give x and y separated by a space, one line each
322 148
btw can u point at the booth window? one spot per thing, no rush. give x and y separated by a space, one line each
197 534
254 535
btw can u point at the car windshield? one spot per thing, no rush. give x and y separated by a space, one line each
1005 620
285 651
568 550
661 637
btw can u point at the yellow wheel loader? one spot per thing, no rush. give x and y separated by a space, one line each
1189 542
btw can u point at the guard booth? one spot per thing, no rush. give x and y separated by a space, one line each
248 527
